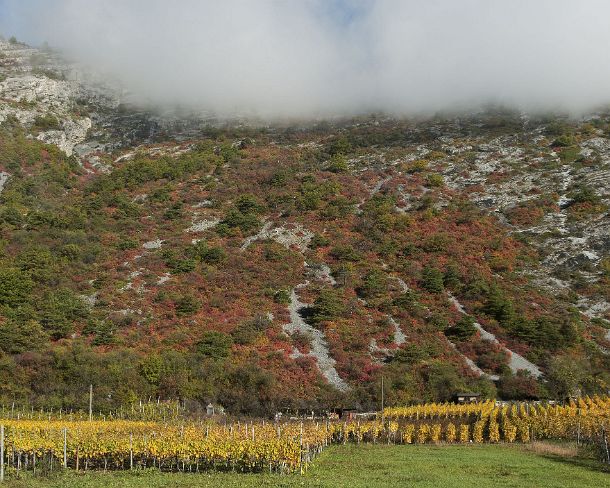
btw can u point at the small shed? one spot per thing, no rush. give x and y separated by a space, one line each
467 397
347 413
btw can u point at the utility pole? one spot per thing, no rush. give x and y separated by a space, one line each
90 403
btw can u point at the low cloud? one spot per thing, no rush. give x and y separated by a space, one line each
336 57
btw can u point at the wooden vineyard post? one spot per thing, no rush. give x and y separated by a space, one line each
301 449
1 453
382 403
605 443
65 447
90 403
131 451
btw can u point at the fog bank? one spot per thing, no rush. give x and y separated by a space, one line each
335 57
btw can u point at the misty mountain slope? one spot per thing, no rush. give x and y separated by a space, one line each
73 107
40 91
263 267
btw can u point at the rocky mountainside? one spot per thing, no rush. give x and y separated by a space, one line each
550 184
266 266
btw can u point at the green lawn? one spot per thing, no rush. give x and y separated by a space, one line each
368 466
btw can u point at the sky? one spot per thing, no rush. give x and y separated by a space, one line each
310 58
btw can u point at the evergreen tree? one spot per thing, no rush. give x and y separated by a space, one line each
432 280
463 329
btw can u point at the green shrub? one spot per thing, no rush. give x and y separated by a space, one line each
584 194
19 337
411 354
570 154
151 368
432 280
338 164
564 140
279 179
247 332
60 310
318 241
340 146
236 219
174 212
408 301
186 305
215 345
15 287
282 297
463 329
327 306
436 243
209 255
248 204
374 284
439 322
345 253
338 208
416 166
46 122
452 277
102 332
127 244
435 180
182 265
229 153
71 252
499 306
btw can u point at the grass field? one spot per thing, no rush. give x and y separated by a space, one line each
378 465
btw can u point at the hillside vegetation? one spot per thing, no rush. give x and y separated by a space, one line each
173 276
292 266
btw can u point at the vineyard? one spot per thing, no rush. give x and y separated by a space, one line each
485 422
33 443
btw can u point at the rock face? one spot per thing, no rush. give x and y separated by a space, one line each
203 225
290 236
3 179
85 114
72 133
35 88
156 244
